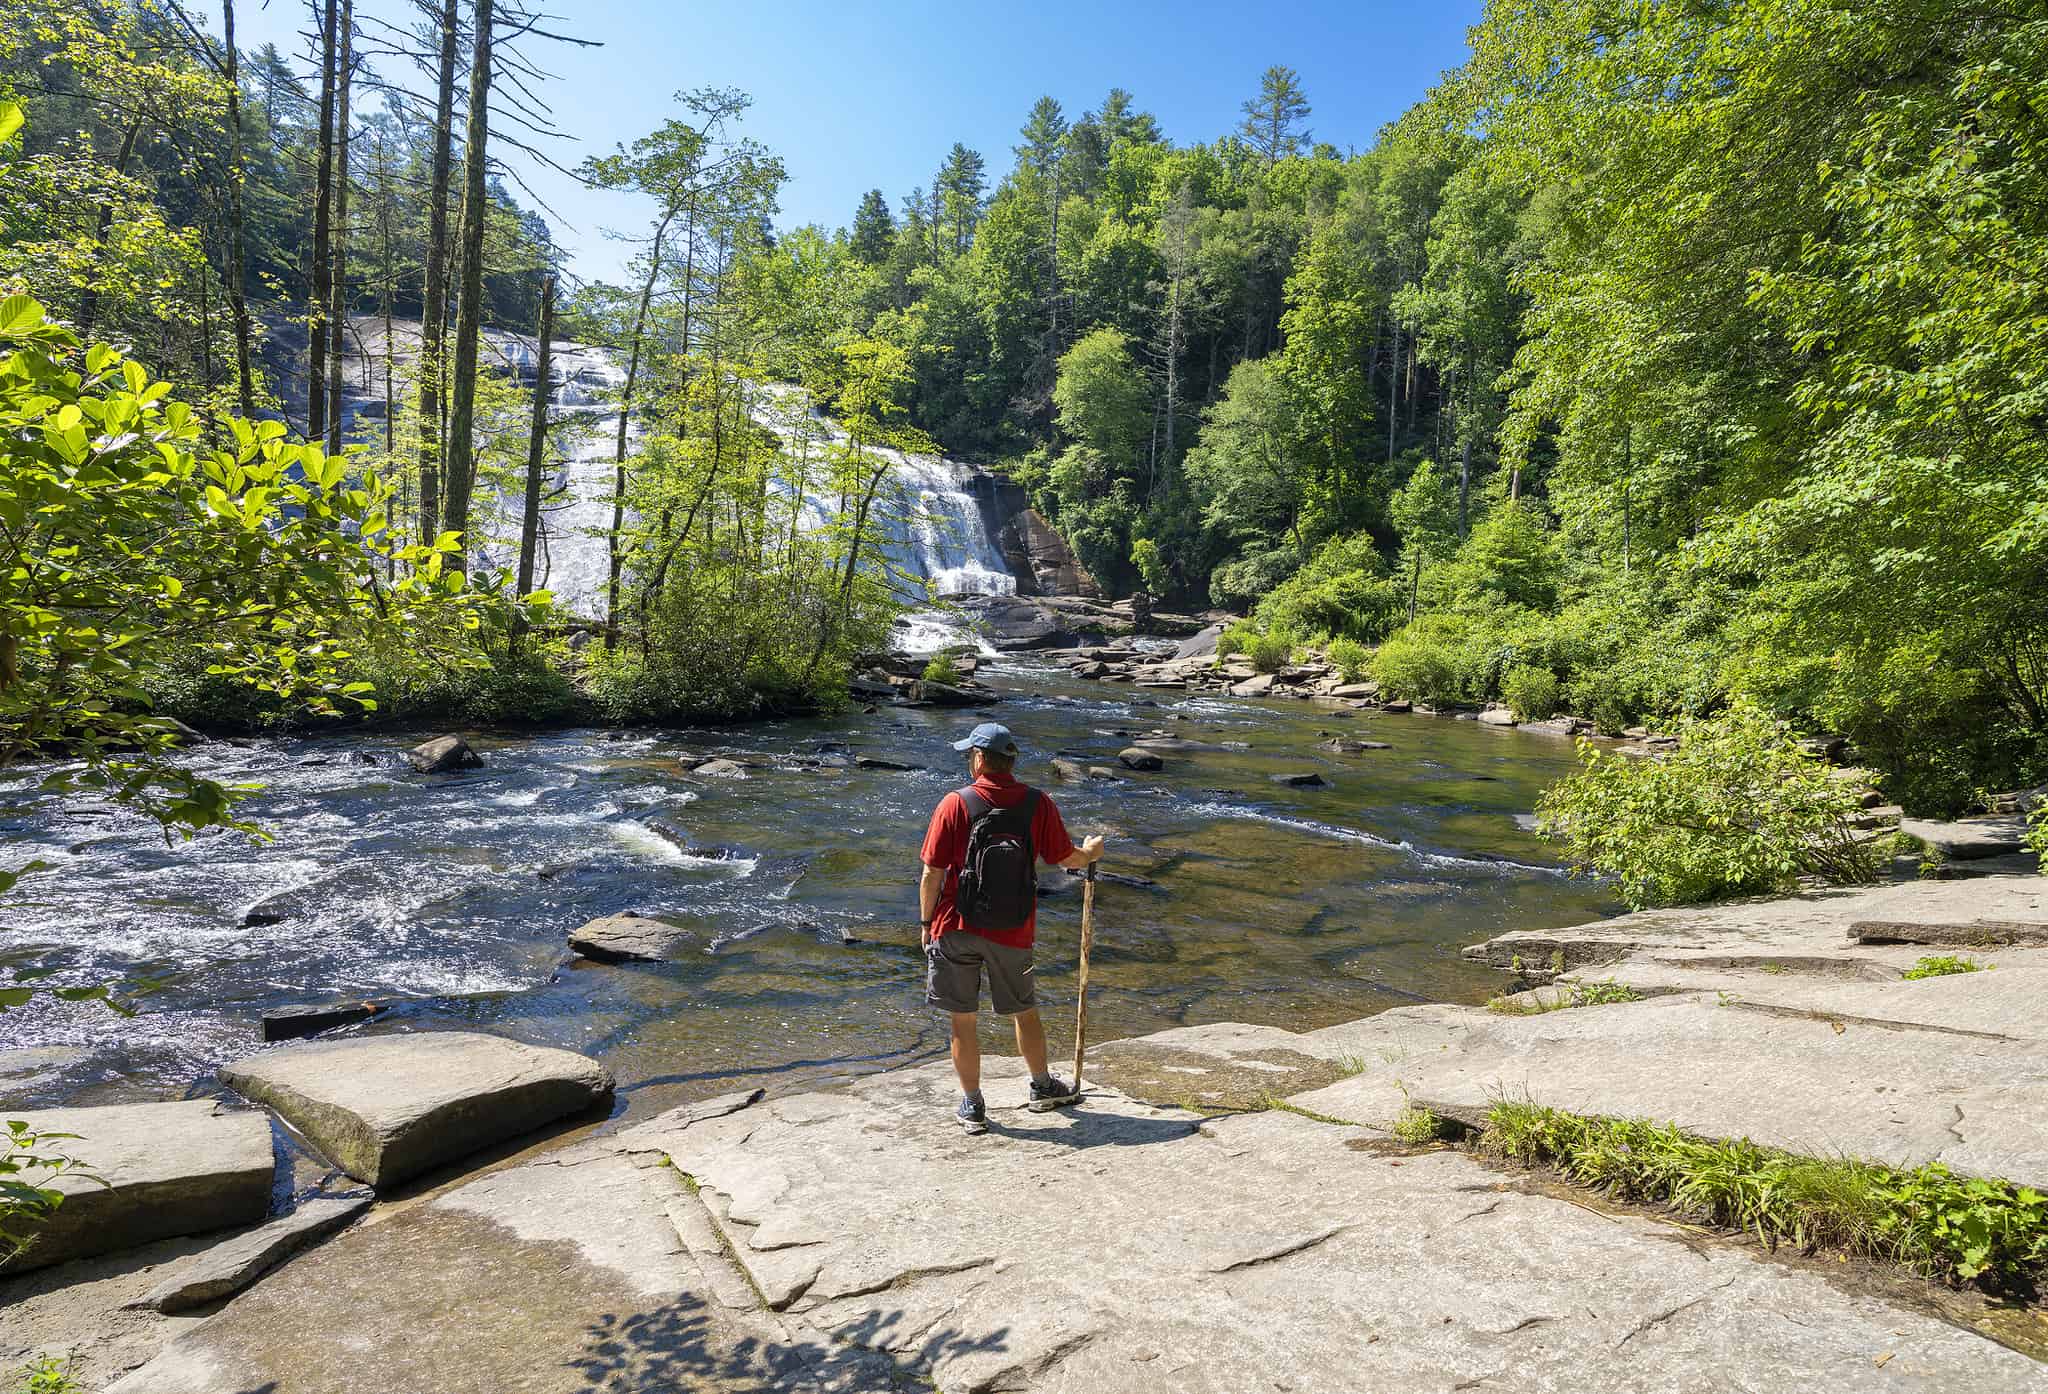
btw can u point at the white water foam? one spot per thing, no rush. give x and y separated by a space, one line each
1442 860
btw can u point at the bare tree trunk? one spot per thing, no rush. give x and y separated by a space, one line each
89 299
237 172
1393 386
434 296
323 191
337 285
615 555
470 293
536 445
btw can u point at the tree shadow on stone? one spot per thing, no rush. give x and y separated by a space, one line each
686 1346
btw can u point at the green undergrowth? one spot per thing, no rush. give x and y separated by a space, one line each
46 1376
1943 966
1604 993
1927 1219
1418 1125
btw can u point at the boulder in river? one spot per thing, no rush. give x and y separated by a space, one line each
1497 716
1136 759
872 762
228 1267
442 754
1258 685
168 1169
631 938
721 769
941 694
294 1023
386 1108
1340 746
1302 779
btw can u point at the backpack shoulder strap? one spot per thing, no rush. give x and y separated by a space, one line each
977 806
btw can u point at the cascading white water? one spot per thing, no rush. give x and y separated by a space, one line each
933 536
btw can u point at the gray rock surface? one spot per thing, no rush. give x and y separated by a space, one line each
1968 839
1497 716
443 754
228 1267
1136 758
310 1019
386 1108
169 1169
1140 1249
623 938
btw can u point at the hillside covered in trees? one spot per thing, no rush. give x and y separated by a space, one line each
1661 356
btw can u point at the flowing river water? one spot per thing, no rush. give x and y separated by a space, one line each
453 894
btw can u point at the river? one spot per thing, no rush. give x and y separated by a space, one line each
454 894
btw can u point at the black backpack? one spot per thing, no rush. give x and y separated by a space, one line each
999 879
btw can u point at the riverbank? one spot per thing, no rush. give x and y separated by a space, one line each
1231 1206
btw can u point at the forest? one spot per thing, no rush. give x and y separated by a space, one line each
1661 358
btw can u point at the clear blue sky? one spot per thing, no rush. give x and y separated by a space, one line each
857 95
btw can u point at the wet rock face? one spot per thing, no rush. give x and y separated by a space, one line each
386 1108
227 1268
443 754
1136 758
168 1169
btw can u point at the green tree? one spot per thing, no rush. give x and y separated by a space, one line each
1424 512
874 229
1273 121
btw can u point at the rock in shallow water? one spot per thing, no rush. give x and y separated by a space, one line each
1136 759
293 1023
168 1169
386 1108
631 938
442 754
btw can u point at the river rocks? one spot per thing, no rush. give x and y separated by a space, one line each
1301 779
940 694
386 1108
1258 686
1969 839
720 769
1497 716
168 1169
442 755
227 1268
1340 746
874 762
1136 758
294 1023
1075 772
632 938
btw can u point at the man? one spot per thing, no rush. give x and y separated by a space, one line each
978 903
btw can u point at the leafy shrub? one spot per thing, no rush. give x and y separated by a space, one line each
1928 1218
23 1204
1417 1125
1941 966
1737 809
2037 832
1416 669
1350 658
1271 651
1532 692
941 670
1343 590
1236 639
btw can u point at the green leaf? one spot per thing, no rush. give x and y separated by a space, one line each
12 118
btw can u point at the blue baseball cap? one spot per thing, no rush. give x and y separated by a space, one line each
990 735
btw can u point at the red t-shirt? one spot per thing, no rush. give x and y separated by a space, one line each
945 847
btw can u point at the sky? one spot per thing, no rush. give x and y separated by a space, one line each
862 94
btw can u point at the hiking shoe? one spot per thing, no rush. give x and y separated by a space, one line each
1051 1094
973 1116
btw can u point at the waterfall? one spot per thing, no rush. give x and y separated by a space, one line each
930 524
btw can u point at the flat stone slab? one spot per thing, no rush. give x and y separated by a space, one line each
227 1268
1123 1247
1765 929
564 1275
1967 839
624 938
169 1169
1809 1082
386 1108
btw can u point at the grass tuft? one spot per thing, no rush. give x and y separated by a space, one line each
1942 966
1928 1219
1604 993
1417 1125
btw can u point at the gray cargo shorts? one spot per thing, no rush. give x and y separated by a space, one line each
953 967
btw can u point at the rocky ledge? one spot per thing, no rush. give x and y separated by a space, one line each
1227 1208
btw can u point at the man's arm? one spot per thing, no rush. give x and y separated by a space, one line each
1088 852
929 885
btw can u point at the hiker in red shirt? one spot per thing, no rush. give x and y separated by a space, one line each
978 901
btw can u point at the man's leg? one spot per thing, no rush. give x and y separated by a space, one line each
1031 1041
967 1052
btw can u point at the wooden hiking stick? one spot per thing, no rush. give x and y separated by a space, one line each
1087 942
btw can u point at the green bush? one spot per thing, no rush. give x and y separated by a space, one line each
1236 639
1416 669
1532 692
941 670
1273 650
1350 658
2037 833
1737 809
1343 590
